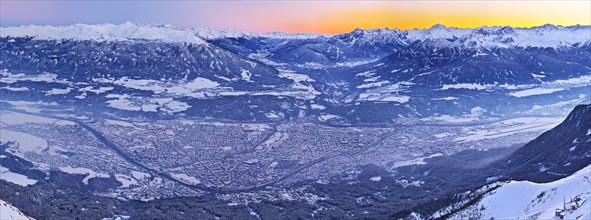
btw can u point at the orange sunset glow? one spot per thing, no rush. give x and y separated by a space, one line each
327 17
463 14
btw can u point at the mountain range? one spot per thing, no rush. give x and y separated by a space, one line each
418 73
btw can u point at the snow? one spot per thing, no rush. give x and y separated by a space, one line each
442 135
296 77
15 118
511 127
354 63
104 32
416 161
372 85
10 78
477 110
122 102
212 34
281 35
139 175
449 98
8 212
15 178
98 90
383 98
149 107
483 37
204 88
85 171
553 86
55 91
524 89
385 92
301 92
125 180
503 36
30 106
450 119
272 115
534 91
317 106
15 89
170 105
524 200
556 107
186 178
245 74
372 79
146 104
327 117
463 86
184 88
312 65
366 74
24 142
572 82
406 183
376 178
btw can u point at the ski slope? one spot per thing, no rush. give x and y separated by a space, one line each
528 200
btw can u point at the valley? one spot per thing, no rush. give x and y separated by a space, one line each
157 122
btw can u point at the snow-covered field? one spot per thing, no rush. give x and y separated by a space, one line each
510 127
416 161
25 142
186 178
85 171
15 178
534 91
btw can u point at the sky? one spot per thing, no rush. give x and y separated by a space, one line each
327 17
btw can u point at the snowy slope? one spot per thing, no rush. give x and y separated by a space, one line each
524 199
503 36
8 211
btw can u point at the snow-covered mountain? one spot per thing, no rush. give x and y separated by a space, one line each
415 73
497 36
104 32
529 200
213 34
8 212
504 36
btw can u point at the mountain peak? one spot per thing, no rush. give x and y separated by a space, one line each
358 31
438 27
548 27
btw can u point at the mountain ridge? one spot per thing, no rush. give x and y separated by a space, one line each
198 35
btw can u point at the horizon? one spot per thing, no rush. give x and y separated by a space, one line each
316 17
294 33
